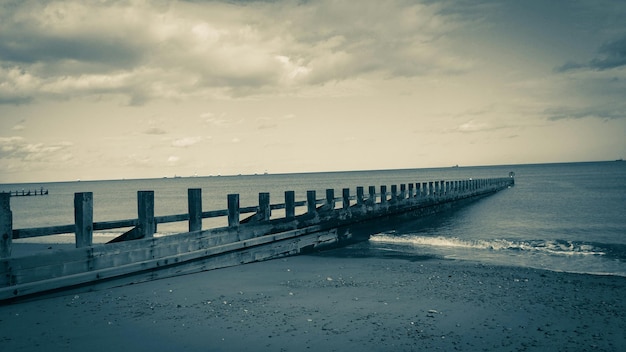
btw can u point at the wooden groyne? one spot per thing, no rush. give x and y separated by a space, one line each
138 255
27 193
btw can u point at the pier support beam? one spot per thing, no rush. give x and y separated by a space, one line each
194 205
233 210
83 218
330 199
346 198
311 202
6 225
372 199
145 212
359 195
383 195
265 212
290 204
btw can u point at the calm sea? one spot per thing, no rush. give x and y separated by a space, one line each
564 217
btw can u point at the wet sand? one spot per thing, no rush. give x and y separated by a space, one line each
331 302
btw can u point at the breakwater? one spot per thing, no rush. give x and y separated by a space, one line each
251 235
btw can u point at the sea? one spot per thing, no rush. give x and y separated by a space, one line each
568 217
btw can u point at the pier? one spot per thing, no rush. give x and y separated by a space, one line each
27 193
251 234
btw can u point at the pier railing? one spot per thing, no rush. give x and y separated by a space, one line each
385 201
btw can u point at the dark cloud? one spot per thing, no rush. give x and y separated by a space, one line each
561 113
42 48
144 51
155 131
609 56
15 100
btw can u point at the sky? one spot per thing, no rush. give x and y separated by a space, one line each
96 90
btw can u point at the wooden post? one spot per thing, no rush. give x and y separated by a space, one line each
233 210
290 204
330 198
83 219
194 205
264 206
418 190
346 198
383 194
311 202
394 193
372 199
145 212
411 194
359 195
6 225
437 189
430 188
424 189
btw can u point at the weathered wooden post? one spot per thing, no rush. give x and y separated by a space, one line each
290 204
359 195
194 205
311 202
145 211
418 190
264 206
394 193
447 190
233 210
411 194
330 198
383 194
402 191
6 225
372 198
346 198
83 219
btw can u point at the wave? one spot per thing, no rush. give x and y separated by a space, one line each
550 247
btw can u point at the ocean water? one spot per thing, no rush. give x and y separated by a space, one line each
563 217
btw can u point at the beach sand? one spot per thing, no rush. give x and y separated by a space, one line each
333 302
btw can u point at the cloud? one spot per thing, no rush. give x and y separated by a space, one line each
473 126
602 112
609 56
155 131
18 148
219 49
186 142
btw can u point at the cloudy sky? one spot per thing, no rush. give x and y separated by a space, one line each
133 89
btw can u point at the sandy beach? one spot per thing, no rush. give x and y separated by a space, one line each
333 302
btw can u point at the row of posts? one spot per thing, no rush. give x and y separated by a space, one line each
146 223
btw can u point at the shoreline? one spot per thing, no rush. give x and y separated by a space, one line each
330 301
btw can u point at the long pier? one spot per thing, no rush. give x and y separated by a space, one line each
138 255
